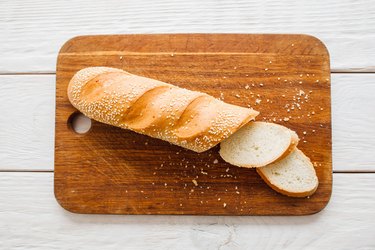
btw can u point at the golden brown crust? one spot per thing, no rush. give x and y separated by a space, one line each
190 119
292 146
284 192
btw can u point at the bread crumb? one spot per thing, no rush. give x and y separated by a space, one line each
237 192
224 204
218 199
247 86
172 54
286 119
180 204
216 161
195 182
257 101
226 170
203 172
261 84
266 69
221 96
234 67
237 95
120 57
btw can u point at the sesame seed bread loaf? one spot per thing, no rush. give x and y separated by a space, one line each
292 176
257 144
190 119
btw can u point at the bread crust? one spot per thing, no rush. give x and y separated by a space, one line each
284 192
190 119
292 145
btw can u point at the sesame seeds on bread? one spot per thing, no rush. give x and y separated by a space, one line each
190 119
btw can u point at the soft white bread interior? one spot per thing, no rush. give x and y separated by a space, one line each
293 175
258 144
191 119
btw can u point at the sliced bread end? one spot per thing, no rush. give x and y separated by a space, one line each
258 144
293 175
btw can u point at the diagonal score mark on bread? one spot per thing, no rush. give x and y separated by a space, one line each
118 98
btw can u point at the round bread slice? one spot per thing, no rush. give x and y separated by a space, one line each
258 144
292 176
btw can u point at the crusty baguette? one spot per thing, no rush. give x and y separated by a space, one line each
292 176
190 119
258 144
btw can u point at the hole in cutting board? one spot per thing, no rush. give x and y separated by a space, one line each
79 123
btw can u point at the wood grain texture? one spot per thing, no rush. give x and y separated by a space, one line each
33 31
27 127
110 170
31 218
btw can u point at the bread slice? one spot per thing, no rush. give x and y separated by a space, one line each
258 144
292 176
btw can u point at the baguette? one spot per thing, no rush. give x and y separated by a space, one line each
190 119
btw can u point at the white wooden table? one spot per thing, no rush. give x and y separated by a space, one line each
31 33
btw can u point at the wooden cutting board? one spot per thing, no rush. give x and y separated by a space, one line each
113 171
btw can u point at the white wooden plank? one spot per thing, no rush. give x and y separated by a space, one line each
27 122
33 31
353 122
31 218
